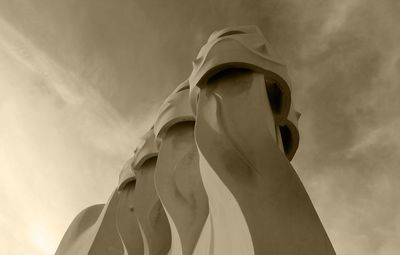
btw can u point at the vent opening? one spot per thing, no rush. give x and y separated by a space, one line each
231 33
275 97
287 140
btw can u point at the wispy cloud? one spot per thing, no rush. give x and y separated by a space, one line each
349 162
59 140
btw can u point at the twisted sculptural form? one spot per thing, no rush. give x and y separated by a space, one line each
149 210
214 175
81 233
93 232
126 220
241 96
106 229
177 176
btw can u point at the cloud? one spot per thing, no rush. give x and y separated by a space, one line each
60 140
350 121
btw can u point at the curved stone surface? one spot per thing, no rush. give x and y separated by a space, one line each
175 109
126 175
180 187
290 133
98 236
242 47
236 138
126 220
81 232
148 149
246 48
152 219
107 239
177 177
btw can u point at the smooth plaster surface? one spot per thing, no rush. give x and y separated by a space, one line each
241 148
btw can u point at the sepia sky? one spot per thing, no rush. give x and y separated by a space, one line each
80 82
